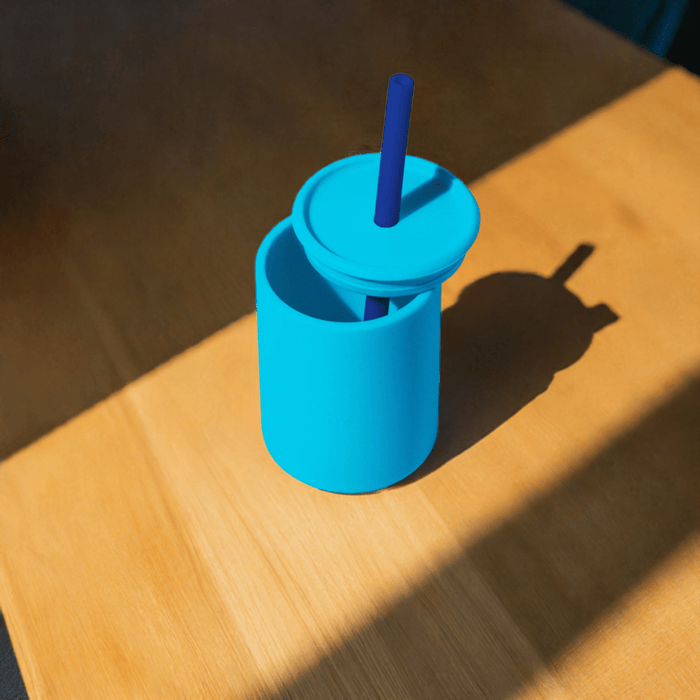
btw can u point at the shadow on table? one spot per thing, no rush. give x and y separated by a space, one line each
501 344
147 148
561 563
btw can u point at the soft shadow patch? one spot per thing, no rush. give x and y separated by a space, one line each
501 345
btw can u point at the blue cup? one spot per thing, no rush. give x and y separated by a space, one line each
347 405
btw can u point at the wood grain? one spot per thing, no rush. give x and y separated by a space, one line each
549 548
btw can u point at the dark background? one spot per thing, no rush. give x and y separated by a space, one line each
668 28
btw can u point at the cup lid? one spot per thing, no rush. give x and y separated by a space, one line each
333 218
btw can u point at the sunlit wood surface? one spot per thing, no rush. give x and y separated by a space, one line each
549 547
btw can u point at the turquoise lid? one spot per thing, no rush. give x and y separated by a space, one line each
333 218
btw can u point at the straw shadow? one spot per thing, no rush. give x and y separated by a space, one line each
439 184
556 567
501 344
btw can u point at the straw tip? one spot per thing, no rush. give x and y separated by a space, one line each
402 79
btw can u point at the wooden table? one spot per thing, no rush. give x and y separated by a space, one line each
549 547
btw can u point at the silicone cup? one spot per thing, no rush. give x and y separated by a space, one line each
348 405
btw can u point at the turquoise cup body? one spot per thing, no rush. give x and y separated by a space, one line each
346 406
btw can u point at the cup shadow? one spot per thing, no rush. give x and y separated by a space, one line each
501 345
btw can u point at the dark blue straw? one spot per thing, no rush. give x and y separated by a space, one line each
391 165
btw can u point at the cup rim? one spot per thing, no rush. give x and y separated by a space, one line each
414 306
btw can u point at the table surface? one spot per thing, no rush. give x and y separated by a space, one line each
548 548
